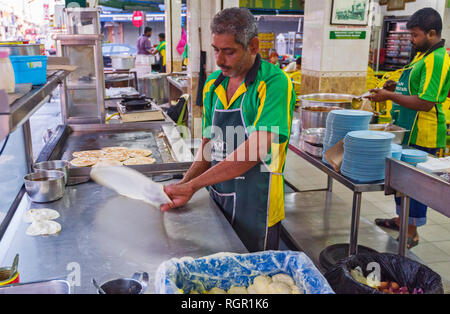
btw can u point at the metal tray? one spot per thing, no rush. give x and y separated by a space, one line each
38 287
170 151
316 151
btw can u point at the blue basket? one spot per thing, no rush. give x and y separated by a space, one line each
29 69
226 269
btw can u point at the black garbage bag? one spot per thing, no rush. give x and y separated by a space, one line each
402 270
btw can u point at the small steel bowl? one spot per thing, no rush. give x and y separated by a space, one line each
61 165
45 186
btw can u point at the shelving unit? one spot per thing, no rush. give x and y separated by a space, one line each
396 44
266 44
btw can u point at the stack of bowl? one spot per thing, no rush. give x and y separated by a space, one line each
340 122
364 155
414 156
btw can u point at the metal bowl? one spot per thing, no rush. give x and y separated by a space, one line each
327 99
61 165
313 135
315 116
45 186
399 132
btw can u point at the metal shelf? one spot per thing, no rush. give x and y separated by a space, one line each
14 115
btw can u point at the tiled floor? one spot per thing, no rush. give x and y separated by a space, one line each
434 244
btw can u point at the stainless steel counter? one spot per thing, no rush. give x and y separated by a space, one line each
110 236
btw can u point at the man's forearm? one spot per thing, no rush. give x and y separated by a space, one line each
232 166
411 102
200 164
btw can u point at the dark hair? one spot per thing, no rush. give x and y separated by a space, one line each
162 35
147 29
239 22
426 19
299 60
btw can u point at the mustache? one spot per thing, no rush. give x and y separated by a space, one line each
224 67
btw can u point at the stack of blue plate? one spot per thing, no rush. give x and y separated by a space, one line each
340 122
364 155
396 151
414 156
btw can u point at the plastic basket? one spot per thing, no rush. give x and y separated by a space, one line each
177 276
30 69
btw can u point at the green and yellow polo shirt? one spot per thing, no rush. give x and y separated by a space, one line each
268 106
162 50
430 80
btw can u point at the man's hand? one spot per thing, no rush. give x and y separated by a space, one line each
180 194
390 85
379 95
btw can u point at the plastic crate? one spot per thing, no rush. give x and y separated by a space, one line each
29 69
177 276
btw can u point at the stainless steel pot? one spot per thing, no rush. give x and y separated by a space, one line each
23 50
315 116
45 186
61 165
122 62
155 86
327 99
135 285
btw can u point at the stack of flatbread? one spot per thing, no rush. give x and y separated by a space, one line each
42 222
112 156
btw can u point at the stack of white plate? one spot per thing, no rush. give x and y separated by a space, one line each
364 155
340 122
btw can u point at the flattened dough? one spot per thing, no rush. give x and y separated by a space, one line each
40 214
108 162
84 161
45 227
139 161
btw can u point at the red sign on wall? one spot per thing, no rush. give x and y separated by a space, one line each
137 19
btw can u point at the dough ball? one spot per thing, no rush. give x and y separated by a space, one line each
40 214
284 279
261 283
216 290
237 290
45 227
278 288
251 289
296 290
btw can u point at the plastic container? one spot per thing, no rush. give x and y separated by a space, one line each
223 270
30 69
7 80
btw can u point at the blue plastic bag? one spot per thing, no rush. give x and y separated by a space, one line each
223 270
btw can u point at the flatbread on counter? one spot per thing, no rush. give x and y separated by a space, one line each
115 149
89 153
139 161
108 162
139 152
40 215
120 156
84 161
45 227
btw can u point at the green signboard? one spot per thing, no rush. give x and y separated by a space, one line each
348 35
272 4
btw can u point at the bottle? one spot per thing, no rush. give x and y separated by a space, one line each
7 80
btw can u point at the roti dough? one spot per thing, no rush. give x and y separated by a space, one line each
45 227
108 162
84 161
139 161
40 215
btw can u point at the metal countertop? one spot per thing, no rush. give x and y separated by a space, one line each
107 236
